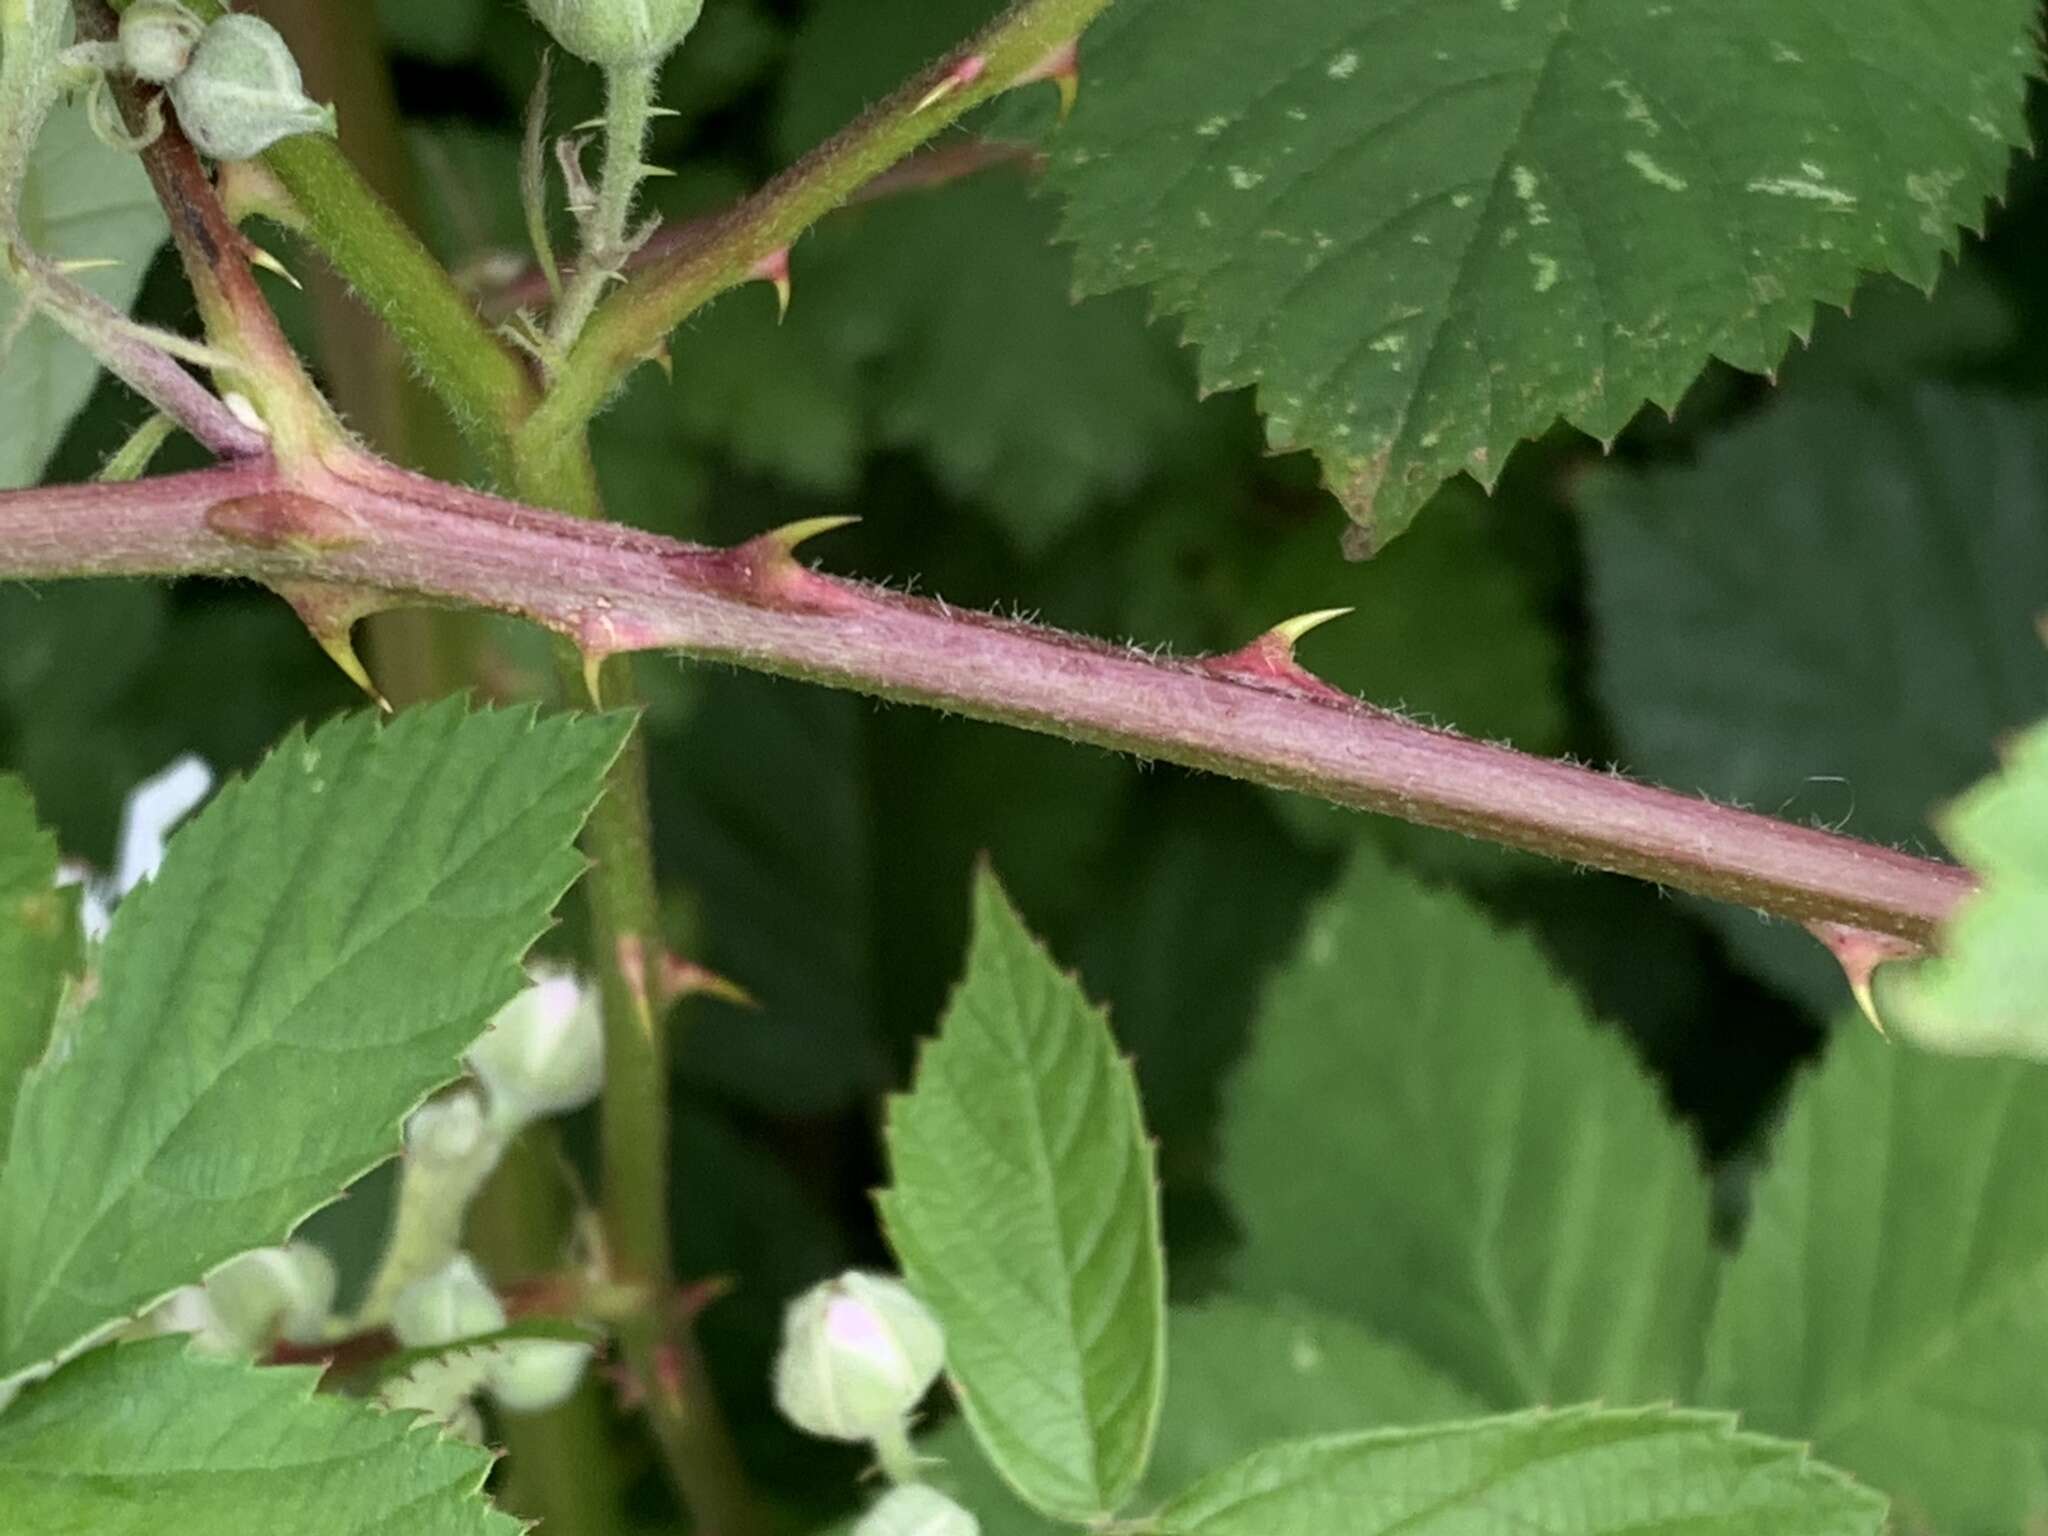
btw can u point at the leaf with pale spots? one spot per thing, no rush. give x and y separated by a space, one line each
1427 231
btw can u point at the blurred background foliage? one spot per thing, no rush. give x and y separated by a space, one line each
1815 597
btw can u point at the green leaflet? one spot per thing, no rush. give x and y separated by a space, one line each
1581 1472
1426 231
38 941
144 1440
1890 1300
1848 651
1024 1210
1988 990
323 942
1244 1374
1431 1135
82 202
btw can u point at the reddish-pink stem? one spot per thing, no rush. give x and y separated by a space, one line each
364 526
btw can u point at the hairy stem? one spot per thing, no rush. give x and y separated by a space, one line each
658 1342
414 655
629 108
481 381
938 166
613 590
633 322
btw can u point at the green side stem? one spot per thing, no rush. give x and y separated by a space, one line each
414 654
483 383
626 947
634 321
629 108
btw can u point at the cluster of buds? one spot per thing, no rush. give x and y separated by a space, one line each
253 1301
858 1354
542 1055
454 1304
233 81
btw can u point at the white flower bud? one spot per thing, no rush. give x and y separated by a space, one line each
857 1354
189 1310
544 1052
917 1509
275 1292
446 1132
534 1375
617 33
242 91
157 38
455 1302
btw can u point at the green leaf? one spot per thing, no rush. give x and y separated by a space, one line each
1987 992
1427 231
1848 651
38 941
1890 1300
1632 1472
1244 1374
322 943
1424 1099
82 202
1025 1213
1247 1373
146 1440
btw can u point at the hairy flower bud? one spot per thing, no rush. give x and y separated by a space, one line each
618 33
453 1303
916 1509
857 1354
534 1375
281 1292
448 1132
544 1052
242 91
157 38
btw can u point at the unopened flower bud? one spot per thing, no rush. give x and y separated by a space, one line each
446 1132
857 1354
455 1302
917 1509
544 1052
618 33
275 1292
157 39
242 91
534 1375
189 1310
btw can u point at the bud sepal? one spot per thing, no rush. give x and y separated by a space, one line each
242 91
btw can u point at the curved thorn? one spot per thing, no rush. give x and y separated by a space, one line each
1860 952
790 535
259 257
774 270
1062 66
1291 631
958 78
